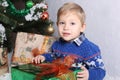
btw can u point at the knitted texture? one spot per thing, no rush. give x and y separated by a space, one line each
86 52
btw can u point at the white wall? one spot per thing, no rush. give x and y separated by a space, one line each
103 24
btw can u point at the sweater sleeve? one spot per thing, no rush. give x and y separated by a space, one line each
48 57
96 67
96 74
93 60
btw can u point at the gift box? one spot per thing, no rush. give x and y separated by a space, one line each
41 72
3 61
28 45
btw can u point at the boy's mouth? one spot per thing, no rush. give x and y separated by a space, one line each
66 34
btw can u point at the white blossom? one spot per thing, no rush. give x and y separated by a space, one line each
5 4
35 16
2 29
28 17
2 33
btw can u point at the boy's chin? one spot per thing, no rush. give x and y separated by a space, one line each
67 39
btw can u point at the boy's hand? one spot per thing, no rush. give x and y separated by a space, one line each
83 75
38 59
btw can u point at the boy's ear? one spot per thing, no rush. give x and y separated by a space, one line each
83 27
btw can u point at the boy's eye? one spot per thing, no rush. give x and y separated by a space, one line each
61 23
72 23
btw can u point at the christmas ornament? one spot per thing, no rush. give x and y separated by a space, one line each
29 4
50 29
45 16
12 10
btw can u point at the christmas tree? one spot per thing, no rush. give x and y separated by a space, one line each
23 16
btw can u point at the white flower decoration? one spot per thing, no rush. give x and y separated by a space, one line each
4 3
2 34
32 16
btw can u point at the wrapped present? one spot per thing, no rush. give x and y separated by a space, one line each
3 61
44 71
34 72
28 45
59 69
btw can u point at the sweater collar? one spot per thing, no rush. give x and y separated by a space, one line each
79 39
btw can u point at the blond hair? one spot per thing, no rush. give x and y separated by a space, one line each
70 6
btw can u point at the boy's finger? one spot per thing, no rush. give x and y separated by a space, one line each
83 67
32 60
39 60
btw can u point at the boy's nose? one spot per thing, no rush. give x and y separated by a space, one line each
66 27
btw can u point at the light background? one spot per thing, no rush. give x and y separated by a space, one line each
103 23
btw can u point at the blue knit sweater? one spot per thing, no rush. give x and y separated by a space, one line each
85 50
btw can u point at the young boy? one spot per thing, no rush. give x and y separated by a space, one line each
71 26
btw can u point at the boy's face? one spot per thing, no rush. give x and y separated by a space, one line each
70 26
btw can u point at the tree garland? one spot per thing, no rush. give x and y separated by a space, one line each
32 11
16 12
